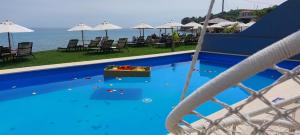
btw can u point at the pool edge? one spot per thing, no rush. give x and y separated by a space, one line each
82 63
91 62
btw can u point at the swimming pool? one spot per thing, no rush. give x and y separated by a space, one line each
79 100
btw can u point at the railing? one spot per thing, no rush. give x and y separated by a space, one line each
234 121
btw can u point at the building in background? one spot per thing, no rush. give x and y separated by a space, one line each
246 15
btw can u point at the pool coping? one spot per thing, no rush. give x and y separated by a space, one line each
90 62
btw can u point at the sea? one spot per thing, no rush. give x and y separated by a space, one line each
50 38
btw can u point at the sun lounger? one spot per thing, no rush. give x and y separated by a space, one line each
140 41
106 47
72 45
122 43
5 53
149 40
24 50
137 42
132 43
98 39
94 45
162 42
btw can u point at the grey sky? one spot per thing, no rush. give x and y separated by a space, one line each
65 13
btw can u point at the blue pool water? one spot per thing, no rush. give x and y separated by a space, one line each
82 101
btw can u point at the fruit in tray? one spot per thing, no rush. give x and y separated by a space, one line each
127 68
127 71
140 69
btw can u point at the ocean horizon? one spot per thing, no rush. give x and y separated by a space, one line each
50 38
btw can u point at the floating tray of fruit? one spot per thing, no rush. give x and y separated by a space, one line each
127 71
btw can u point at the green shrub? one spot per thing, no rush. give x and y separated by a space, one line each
231 29
175 36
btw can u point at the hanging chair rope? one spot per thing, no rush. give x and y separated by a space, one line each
260 61
197 51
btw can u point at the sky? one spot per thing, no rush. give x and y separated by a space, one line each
126 13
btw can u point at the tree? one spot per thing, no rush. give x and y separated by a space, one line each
192 19
231 29
185 20
260 13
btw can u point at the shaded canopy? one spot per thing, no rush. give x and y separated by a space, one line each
215 26
193 25
216 21
80 27
173 24
143 26
163 27
107 26
227 23
10 27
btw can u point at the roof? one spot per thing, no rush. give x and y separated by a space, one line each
216 20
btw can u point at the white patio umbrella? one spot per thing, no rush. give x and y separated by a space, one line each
173 25
106 26
215 26
163 27
142 27
10 27
169 25
81 27
226 23
193 25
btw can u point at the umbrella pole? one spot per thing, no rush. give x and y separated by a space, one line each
82 38
143 32
140 32
159 32
192 31
165 31
106 33
9 41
